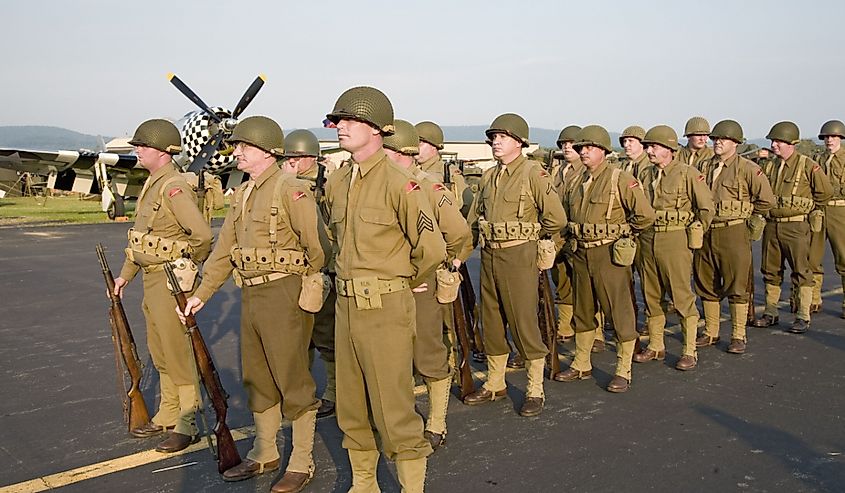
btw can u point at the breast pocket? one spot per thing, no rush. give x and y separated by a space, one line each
377 227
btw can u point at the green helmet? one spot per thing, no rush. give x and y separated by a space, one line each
260 132
662 135
784 132
159 134
301 143
833 127
568 134
509 124
593 135
697 125
430 132
634 131
404 140
366 104
728 129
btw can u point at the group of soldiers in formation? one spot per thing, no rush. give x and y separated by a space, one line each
358 270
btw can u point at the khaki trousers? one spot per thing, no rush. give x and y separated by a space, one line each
722 264
598 282
431 357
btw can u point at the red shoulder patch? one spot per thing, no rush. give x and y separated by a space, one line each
298 195
439 187
700 178
759 171
634 184
411 186
816 168
174 192
544 173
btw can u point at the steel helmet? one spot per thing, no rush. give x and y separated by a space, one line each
634 131
366 104
568 134
662 135
159 134
430 132
509 124
697 125
404 140
593 135
833 127
261 132
301 143
728 129
785 132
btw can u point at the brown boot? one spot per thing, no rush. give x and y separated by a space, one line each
482 396
737 346
532 406
249 468
618 385
686 362
292 482
176 442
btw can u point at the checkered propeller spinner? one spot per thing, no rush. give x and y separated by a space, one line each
205 131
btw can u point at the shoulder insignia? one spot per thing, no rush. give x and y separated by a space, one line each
298 195
759 171
634 184
816 168
443 200
439 187
700 178
544 173
411 186
174 192
424 223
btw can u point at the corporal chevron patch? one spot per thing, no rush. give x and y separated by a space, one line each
424 223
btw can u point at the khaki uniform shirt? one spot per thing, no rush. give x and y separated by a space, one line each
631 206
740 179
681 188
384 225
812 182
247 225
177 218
637 166
329 246
565 175
688 156
499 202
434 167
834 167
448 216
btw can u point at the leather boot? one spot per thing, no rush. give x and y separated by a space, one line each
364 463
624 356
564 322
438 404
534 395
412 474
267 424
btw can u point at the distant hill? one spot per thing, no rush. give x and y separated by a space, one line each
45 138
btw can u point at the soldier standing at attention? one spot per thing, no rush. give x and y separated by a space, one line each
631 141
800 186
431 356
833 164
269 240
515 206
429 160
168 226
742 195
302 149
683 205
606 206
696 131
388 244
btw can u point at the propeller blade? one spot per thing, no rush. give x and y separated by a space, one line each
184 89
206 153
248 95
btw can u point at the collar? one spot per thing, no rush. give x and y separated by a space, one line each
368 164
511 167
599 170
270 171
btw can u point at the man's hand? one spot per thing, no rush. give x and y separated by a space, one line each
422 288
119 284
192 306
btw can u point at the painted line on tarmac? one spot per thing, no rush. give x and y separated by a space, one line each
118 464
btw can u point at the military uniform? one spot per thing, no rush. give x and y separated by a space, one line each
637 166
168 226
388 242
800 185
693 157
435 167
680 198
269 239
833 165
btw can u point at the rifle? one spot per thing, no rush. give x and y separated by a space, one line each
471 315
546 315
134 408
320 190
201 190
752 315
227 454
462 330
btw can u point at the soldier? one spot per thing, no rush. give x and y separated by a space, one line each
833 164
388 243
302 151
742 196
696 131
431 143
168 226
269 240
683 206
801 187
631 141
431 356
606 206
515 206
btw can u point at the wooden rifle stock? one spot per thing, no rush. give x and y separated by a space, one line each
462 330
138 415
471 311
546 316
227 454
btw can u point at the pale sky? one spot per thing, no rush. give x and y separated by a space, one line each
99 67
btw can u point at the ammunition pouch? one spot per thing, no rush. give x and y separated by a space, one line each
269 259
367 291
801 204
756 224
588 233
672 217
448 285
313 293
156 246
734 209
186 273
695 235
546 252
816 220
624 250
508 230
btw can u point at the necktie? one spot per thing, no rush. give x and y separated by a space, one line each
585 189
655 185
716 173
355 169
827 164
778 178
250 185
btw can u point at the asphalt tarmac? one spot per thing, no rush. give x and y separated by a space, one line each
768 420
